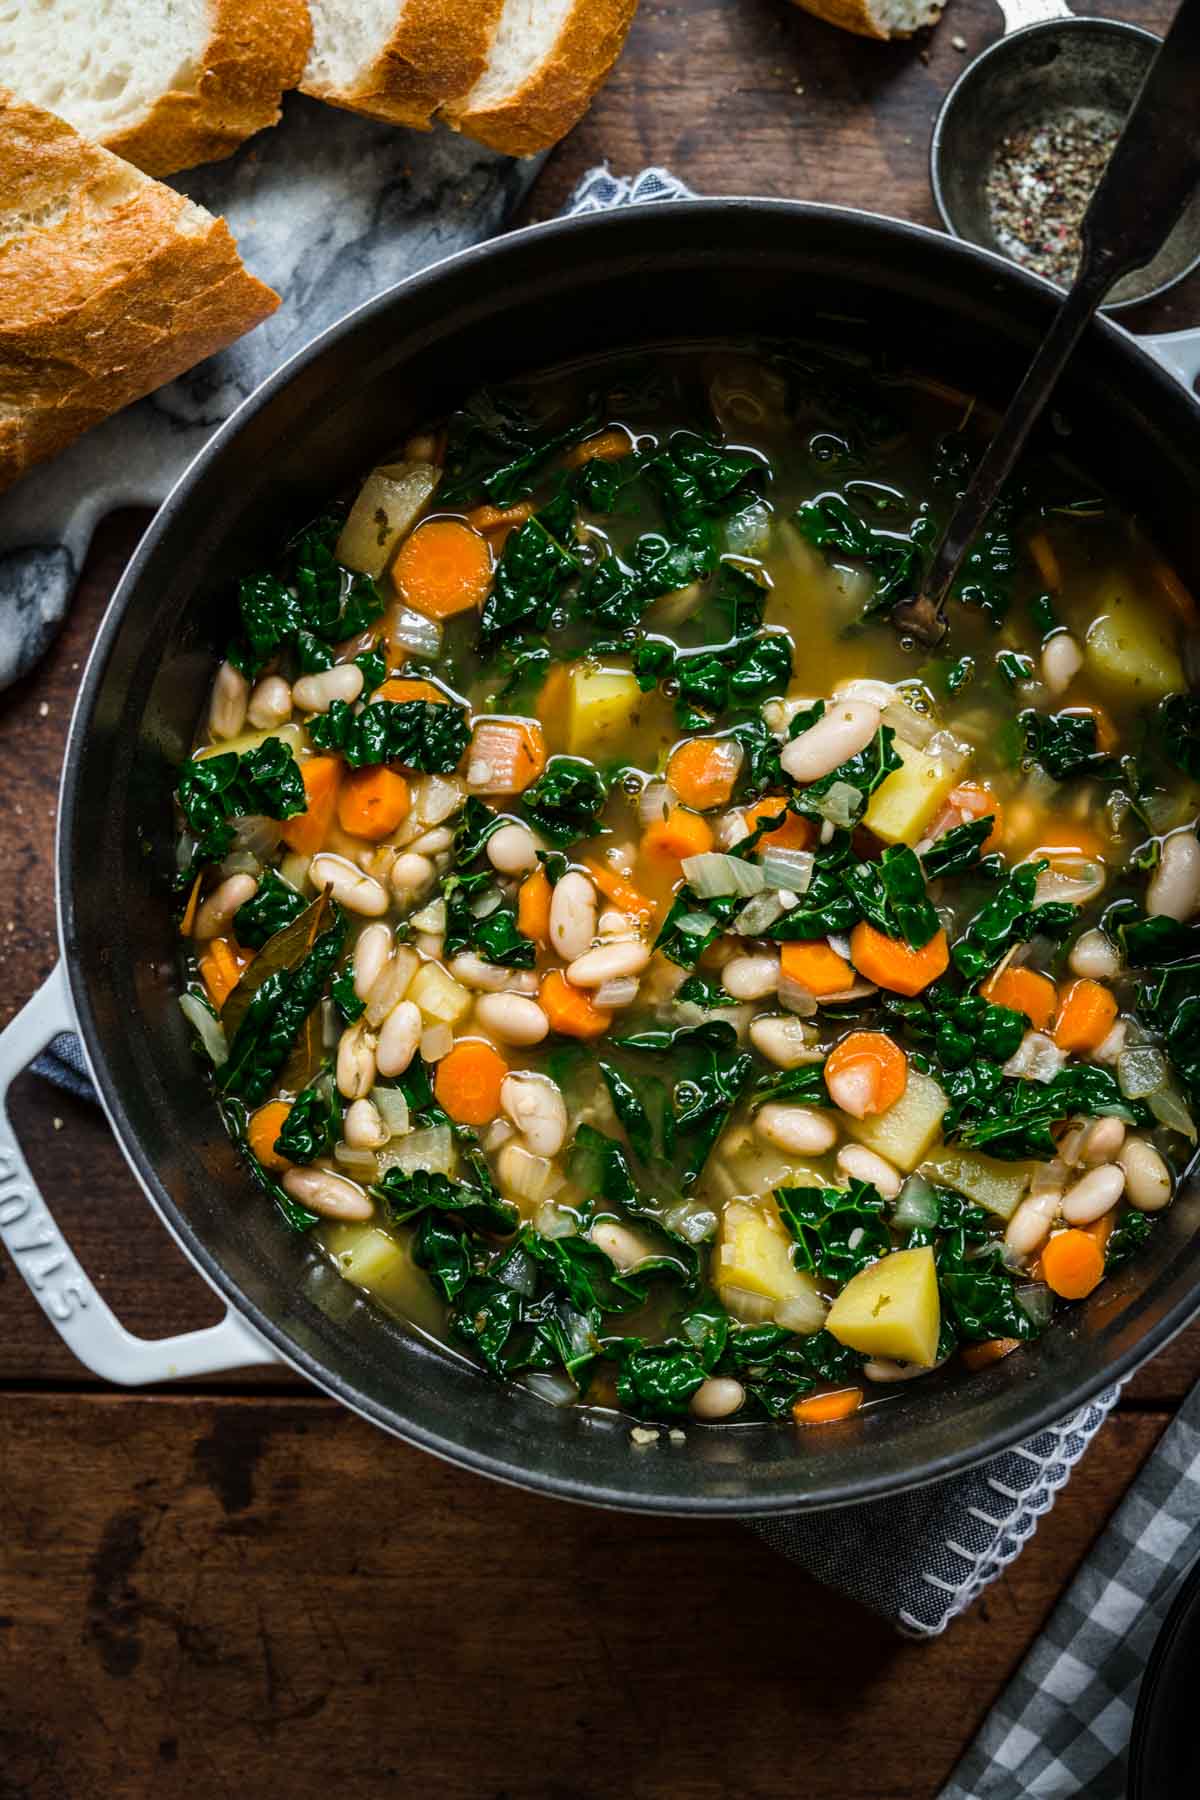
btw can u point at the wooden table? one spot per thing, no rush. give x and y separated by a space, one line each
225 1588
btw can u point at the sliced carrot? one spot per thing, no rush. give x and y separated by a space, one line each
533 907
221 968
506 755
468 1080
865 1073
263 1128
570 1009
307 831
978 1356
1072 1264
796 832
667 841
1043 554
1179 597
620 890
400 688
1107 736
974 800
498 518
606 446
1101 1229
891 963
372 802
1024 991
1087 1013
443 568
815 966
825 1409
188 921
703 771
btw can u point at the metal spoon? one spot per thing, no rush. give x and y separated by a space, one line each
1149 179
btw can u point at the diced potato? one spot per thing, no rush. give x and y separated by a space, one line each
294 736
906 1131
904 805
891 1309
753 1257
367 1257
442 1000
390 502
996 1185
601 708
1131 644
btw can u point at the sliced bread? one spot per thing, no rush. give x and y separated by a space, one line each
546 61
397 60
110 284
876 18
166 87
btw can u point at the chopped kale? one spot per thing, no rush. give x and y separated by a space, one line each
274 1017
838 1231
313 1124
565 800
274 905
421 734
958 850
1065 744
214 789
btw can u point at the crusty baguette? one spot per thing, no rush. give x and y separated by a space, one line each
876 18
547 59
398 60
110 284
163 89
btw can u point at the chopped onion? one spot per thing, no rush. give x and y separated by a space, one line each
431 1149
712 873
1036 1058
1141 1071
837 941
750 1308
759 913
748 533
529 1177
916 1204
796 998
392 1108
431 917
804 1314
675 607
790 869
691 1220
1071 878
239 862
487 904
437 796
613 995
413 632
654 802
907 724
841 805
1037 1300
557 1390
1166 1103
389 503
259 835
436 1041
208 1029
365 1161
552 1222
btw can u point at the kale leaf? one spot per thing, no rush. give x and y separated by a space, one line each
565 800
1179 732
313 1124
1064 744
838 1231
693 924
273 905
534 568
312 603
1019 1114
274 1017
709 1075
958 850
214 789
891 894
421 734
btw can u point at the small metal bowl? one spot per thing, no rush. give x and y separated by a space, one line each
1048 62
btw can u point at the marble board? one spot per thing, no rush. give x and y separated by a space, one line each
328 208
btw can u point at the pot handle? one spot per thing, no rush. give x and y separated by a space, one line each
82 1319
1178 352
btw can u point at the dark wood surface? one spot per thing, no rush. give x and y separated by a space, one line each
235 1584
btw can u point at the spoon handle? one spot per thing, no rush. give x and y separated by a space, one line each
1148 181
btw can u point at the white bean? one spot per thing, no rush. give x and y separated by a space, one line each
628 956
1094 1195
1062 660
363 1127
357 892
218 910
617 1241
854 1089
333 1196
398 1038
372 948
796 1128
435 842
270 703
612 923
512 849
784 1040
1100 1141
227 707
572 915
1029 1226
536 1107
841 732
512 1018
411 875
356 1061
861 1164
751 977
1094 956
866 687
482 977
717 1398
391 984
1174 887
317 693
1147 1177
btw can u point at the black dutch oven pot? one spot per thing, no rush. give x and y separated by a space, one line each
675 273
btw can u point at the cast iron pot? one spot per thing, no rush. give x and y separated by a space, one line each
689 271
